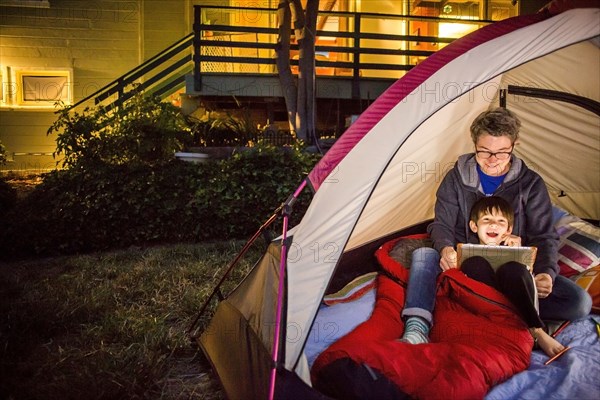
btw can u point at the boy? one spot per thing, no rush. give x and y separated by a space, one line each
492 219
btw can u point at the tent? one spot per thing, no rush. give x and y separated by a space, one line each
379 179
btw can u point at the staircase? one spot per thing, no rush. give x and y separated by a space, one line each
231 57
160 76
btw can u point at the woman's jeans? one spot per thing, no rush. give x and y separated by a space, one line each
566 302
422 284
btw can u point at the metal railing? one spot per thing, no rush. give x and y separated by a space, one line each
159 75
357 49
224 41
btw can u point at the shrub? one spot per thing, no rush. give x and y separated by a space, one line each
121 185
8 194
110 206
224 130
2 154
116 206
144 130
8 197
248 188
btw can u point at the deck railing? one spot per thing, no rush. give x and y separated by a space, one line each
242 40
363 45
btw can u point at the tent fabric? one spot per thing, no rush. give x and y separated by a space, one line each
239 338
403 88
237 355
478 341
432 121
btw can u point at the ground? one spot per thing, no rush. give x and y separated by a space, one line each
185 382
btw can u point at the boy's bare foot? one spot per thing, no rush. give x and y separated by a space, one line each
547 343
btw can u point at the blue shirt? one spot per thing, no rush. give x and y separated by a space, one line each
489 183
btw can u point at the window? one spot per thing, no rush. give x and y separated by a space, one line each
42 88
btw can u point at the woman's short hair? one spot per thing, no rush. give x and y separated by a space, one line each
496 122
492 205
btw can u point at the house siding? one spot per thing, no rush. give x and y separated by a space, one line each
97 40
23 133
164 24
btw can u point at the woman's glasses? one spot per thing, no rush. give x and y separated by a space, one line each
500 155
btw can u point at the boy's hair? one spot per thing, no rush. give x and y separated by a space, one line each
487 205
496 122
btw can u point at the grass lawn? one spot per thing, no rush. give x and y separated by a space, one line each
111 325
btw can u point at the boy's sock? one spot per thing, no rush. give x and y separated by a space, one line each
416 331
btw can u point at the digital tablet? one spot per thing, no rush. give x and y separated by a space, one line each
497 255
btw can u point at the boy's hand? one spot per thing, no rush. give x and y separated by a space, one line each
512 240
543 283
448 259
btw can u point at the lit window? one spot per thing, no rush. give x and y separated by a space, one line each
43 88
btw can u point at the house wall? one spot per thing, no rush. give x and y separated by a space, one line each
97 41
163 23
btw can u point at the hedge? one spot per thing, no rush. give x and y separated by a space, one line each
107 206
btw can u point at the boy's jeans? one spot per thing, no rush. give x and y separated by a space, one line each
420 293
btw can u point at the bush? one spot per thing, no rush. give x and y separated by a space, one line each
144 130
8 194
116 206
224 130
8 197
121 185
249 187
106 207
2 154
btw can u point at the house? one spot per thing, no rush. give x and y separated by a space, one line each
70 50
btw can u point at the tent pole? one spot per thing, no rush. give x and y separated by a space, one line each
286 211
231 265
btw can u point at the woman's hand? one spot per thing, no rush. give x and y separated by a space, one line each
543 283
448 259
512 240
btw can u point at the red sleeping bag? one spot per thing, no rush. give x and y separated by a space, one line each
477 341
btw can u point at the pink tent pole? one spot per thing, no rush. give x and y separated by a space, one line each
287 208
233 263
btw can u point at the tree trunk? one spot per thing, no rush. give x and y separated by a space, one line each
282 51
300 99
307 68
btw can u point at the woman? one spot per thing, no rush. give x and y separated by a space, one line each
492 169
